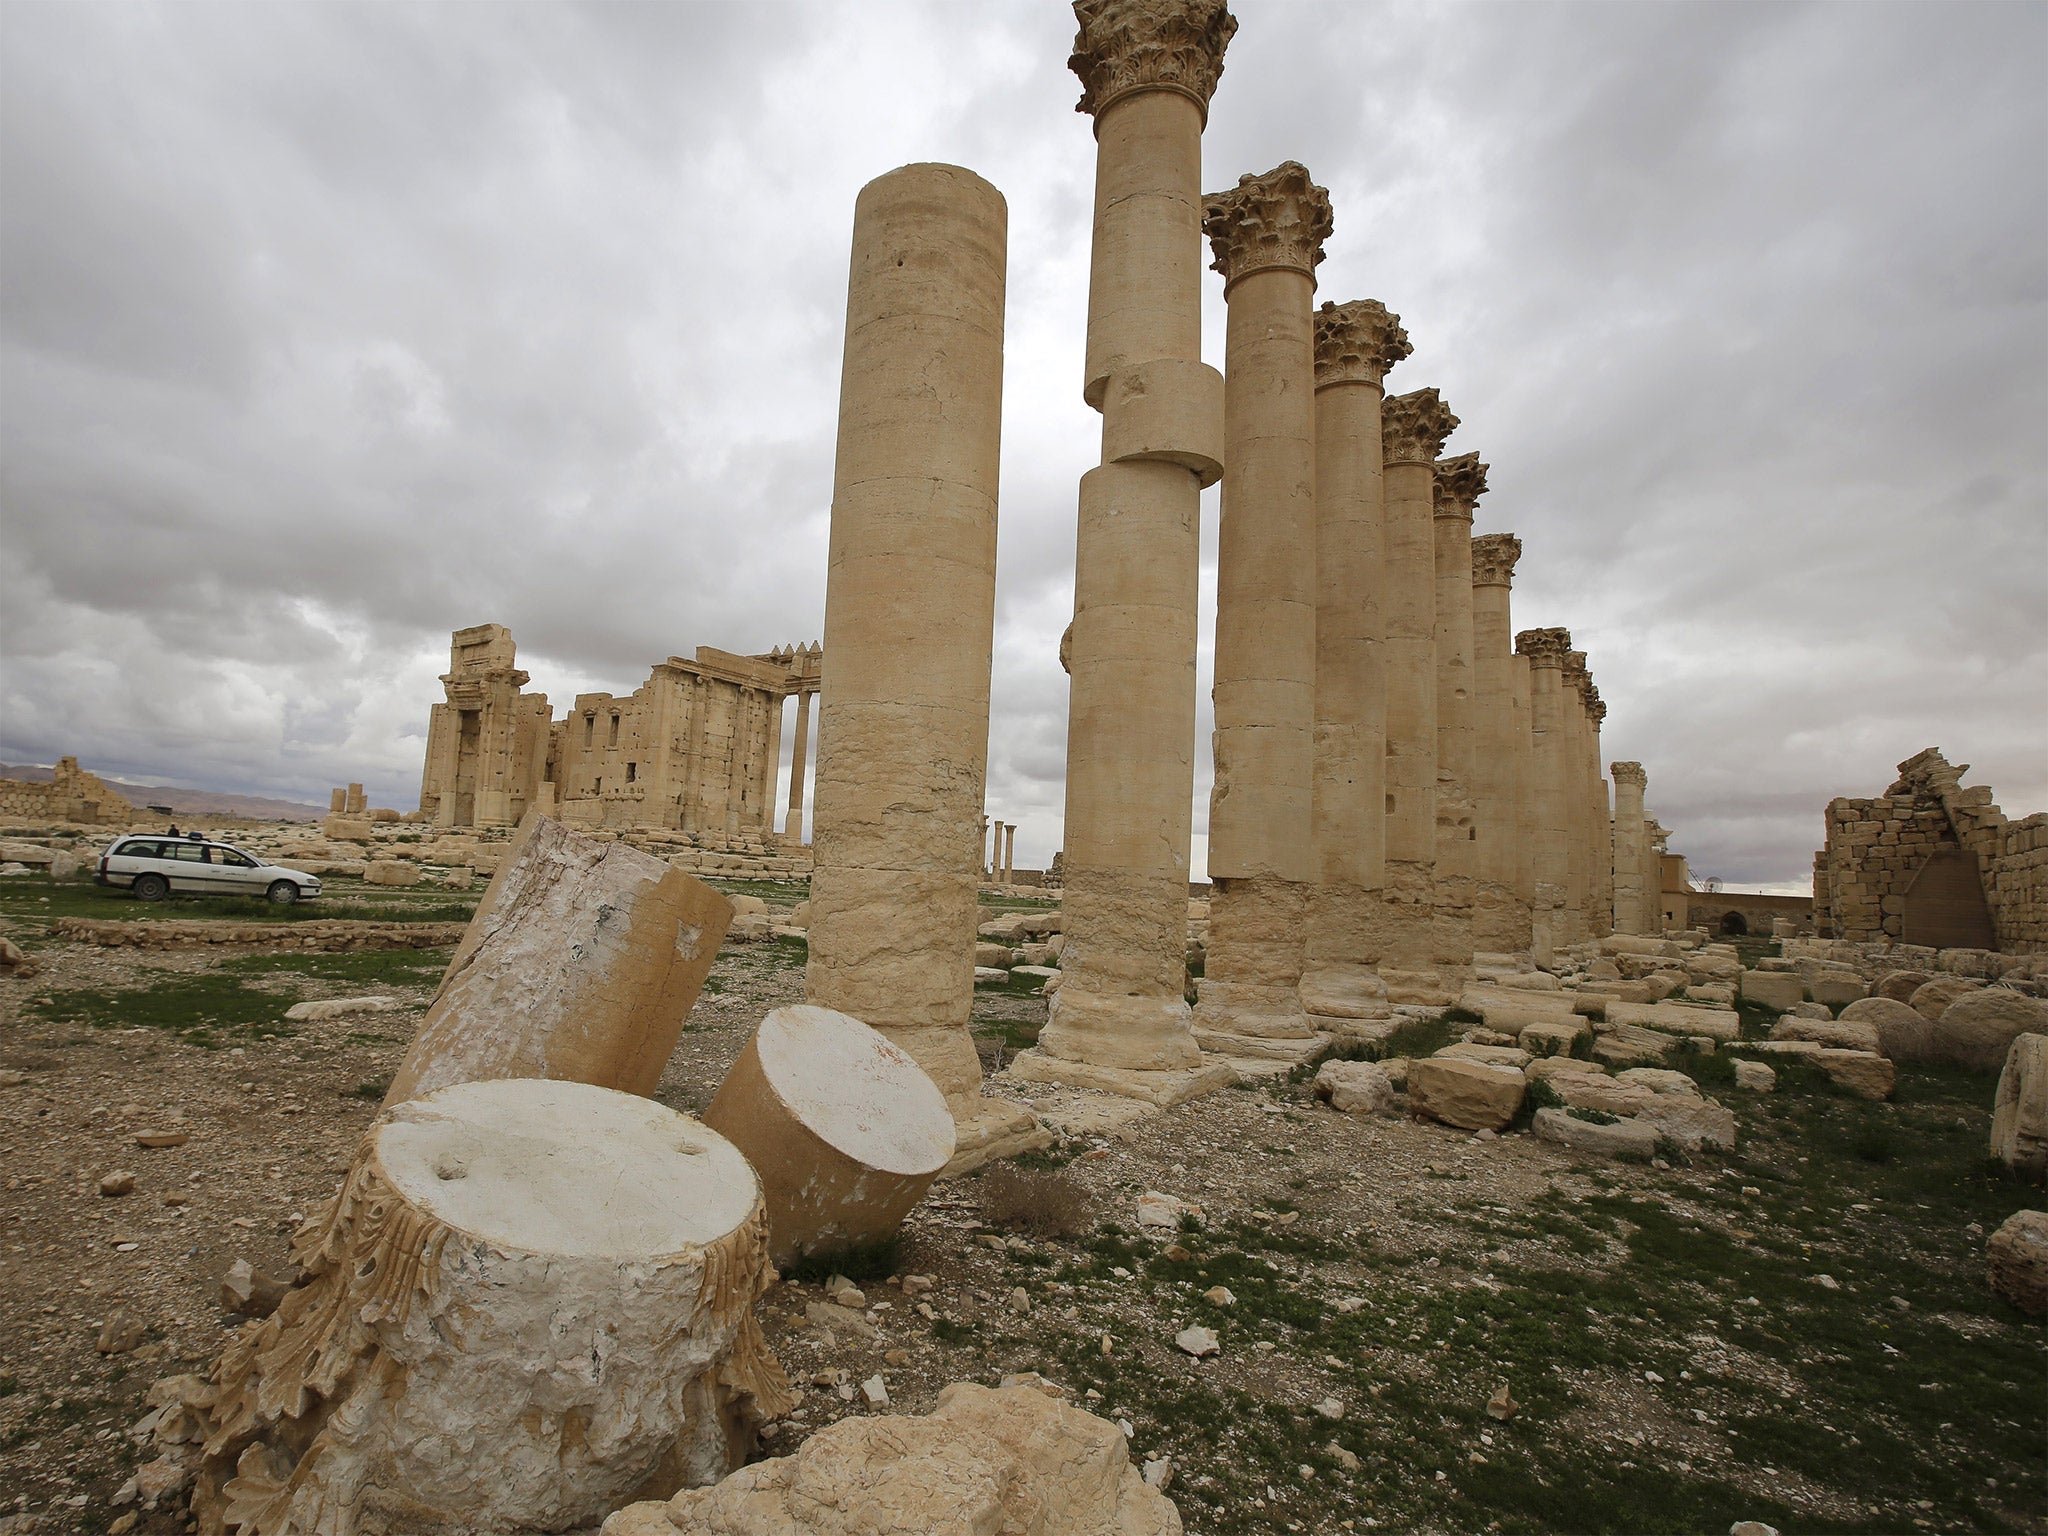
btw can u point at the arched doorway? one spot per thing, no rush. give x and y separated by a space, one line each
1944 906
1735 925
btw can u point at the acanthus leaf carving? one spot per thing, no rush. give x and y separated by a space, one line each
1278 220
1413 427
1125 46
1460 482
1360 340
1494 556
1544 647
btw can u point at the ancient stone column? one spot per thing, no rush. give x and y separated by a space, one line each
1547 811
1599 825
909 631
1500 913
793 827
1268 234
1579 833
1460 482
1413 964
1629 842
1356 343
1120 1018
1655 839
986 857
1010 853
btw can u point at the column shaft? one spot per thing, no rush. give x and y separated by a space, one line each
1500 912
1459 483
798 757
1629 843
1549 799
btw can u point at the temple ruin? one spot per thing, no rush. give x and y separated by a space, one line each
71 794
695 749
1934 864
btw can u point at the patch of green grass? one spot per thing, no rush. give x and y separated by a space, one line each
1418 1037
207 1009
777 893
363 967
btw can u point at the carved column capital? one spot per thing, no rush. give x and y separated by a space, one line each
1493 559
1460 482
1544 647
1596 707
1413 427
1629 773
1278 220
1575 675
1127 46
1357 342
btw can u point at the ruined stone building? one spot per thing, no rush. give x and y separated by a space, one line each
1935 864
71 794
695 749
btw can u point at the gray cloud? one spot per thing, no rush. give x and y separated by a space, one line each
325 330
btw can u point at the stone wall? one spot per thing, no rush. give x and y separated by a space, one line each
1712 910
72 795
1932 863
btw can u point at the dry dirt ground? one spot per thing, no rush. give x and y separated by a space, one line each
1799 1333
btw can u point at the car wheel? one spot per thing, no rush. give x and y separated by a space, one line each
151 887
283 893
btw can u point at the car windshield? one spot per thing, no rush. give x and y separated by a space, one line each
231 848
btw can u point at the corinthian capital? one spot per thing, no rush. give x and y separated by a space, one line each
1596 707
1357 341
1280 219
1544 647
1126 46
1629 773
1493 559
1460 482
1413 427
1576 676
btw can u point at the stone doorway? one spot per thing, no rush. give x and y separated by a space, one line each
1944 906
1735 925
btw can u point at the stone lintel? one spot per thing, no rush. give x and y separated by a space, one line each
1413 427
1127 46
1460 482
1277 221
1494 556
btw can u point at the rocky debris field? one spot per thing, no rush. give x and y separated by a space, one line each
1302 1318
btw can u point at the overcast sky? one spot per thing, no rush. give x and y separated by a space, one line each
325 330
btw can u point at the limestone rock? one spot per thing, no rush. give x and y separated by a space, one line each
1838 991
1549 1068
1976 1030
2019 1113
396 872
338 1007
1810 1011
1931 999
1553 1039
1902 1033
1199 1342
120 1333
247 1290
994 956
1773 989
1355 1087
13 962
1659 1080
1472 1095
1755 1077
1343 992
995 1460
1695 1124
1847 1035
2018 1258
118 1183
1605 1095
1628 1046
489 1243
1499 1055
1630 1139
1899 986
1528 981
1864 1073
1164 1211
1718 1024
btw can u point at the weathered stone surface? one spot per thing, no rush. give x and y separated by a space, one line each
1774 989
1975 1030
247 1290
1554 1039
1545 1068
1631 1139
1355 1087
1899 986
995 1460
1847 1035
1681 1019
391 872
1473 1095
2017 1255
1695 1124
1755 1077
1838 991
338 1007
1864 1073
1499 1055
1659 1080
1609 1096
1932 998
1902 1033
2019 1112
1627 1046
489 1243
844 1128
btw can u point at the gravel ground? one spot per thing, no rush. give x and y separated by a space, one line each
1675 1364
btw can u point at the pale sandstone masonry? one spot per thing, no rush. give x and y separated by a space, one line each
1547 802
1629 843
909 630
1578 900
1460 482
1500 755
1356 343
1935 864
1120 1017
1413 429
1599 824
1267 233
71 794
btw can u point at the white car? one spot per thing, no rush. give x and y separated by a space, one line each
154 865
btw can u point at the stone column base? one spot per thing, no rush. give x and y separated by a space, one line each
1133 1032
1249 1008
1163 1089
1427 987
1298 1050
985 1129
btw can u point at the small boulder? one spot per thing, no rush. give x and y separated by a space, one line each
1627 1046
1755 1077
1631 1139
1864 1073
1199 1342
1355 1087
1695 1124
249 1292
120 1333
2019 1112
1844 1035
1975 1031
1773 989
1902 1034
1472 1095
2018 1258
1931 999
1659 1080
1899 986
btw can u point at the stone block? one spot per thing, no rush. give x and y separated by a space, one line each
2019 1110
1842 1034
1864 1073
1355 1087
1976 1030
1629 1139
1716 1024
1472 1095
1553 1039
1628 1046
1773 989
391 872
1755 1077
1838 991
2017 1257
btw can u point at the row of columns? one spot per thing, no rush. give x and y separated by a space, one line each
999 854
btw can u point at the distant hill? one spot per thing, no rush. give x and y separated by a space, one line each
187 802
